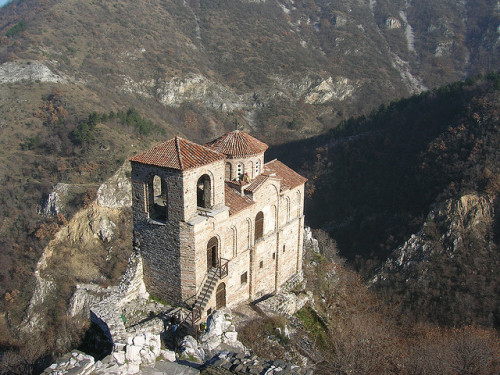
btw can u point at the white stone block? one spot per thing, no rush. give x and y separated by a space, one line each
119 357
140 340
133 368
168 355
147 356
155 345
132 353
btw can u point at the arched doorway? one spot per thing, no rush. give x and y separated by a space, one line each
212 253
220 296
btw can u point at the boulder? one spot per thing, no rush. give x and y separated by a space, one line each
168 355
132 353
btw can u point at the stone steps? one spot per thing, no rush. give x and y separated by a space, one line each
207 290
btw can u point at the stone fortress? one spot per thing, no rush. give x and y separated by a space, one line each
215 225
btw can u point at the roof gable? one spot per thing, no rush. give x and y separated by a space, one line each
178 153
289 178
237 143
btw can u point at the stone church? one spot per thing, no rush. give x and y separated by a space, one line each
215 224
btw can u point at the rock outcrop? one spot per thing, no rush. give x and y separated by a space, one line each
33 71
443 232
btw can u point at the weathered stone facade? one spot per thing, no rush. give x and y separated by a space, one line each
217 239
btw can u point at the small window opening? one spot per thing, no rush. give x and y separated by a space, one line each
244 278
240 169
274 256
261 264
283 248
257 167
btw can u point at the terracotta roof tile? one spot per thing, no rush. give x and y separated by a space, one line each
237 143
289 178
178 153
235 201
256 183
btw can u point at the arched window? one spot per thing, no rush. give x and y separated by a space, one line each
228 171
157 198
259 225
203 192
257 167
212 253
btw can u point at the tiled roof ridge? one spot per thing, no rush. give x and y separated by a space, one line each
237 143
178 151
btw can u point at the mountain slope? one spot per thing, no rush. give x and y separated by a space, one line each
373 181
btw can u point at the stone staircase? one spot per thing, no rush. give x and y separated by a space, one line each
207 289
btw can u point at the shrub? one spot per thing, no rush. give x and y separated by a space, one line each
16 29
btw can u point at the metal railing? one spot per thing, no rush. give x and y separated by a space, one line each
222 268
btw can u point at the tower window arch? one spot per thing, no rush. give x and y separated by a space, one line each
259 225
157 198
204 192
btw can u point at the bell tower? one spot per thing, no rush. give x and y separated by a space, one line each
171 184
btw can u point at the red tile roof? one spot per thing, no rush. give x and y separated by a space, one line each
256 183
178 153
237 143
235 201
289 178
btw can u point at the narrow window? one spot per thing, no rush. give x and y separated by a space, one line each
240 170
274 256
283 248
261 264
257 167
244 278
259 225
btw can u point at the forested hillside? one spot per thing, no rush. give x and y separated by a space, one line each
374 180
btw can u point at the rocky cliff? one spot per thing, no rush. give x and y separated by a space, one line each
436 263
91 248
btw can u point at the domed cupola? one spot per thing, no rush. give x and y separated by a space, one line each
244 154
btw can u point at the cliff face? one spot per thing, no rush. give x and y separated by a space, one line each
453 261
92 247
